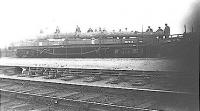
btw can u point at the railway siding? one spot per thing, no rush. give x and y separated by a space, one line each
94 89
85 99
155 81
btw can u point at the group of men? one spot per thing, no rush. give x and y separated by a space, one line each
166 31
100 30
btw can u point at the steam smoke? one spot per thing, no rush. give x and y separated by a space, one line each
190 58
193 19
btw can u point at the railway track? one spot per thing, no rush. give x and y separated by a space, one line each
161 81
51 95
77 90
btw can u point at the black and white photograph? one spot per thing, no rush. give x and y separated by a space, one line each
99 55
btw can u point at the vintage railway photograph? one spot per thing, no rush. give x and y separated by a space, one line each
99 55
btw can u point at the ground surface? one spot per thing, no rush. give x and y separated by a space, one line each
145 64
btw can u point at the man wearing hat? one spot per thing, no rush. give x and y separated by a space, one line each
167 31
149 29
160 32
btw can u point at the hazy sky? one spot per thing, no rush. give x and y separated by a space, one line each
22 19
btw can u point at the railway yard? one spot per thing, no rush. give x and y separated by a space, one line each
63 88
102 56
99 56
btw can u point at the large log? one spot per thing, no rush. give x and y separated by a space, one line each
103 35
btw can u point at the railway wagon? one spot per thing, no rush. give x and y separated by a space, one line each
92 45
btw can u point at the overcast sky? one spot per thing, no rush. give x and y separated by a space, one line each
22 19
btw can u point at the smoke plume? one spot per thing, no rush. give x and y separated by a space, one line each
193 18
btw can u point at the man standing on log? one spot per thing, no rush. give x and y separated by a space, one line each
167 31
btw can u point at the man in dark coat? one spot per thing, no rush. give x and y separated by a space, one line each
149 29
160 32
0 52
167 31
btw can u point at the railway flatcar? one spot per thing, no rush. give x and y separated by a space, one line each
91 45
